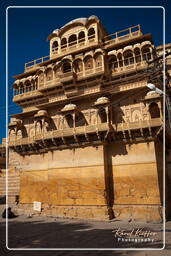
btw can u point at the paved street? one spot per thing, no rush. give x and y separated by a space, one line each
46 232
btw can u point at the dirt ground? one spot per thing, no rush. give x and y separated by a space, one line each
47 232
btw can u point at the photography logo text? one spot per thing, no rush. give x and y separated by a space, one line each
138 235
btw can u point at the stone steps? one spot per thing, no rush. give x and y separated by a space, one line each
13 186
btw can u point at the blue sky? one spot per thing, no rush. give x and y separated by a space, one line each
29 28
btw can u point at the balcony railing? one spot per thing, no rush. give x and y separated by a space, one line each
30 91
74 44
119 66
50 84
123 35
101 127
114 38
68 132
133 62
36 62
26 94
155 122
65 48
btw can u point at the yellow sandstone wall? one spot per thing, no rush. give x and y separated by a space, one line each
64 186
74 183
69 178
136 192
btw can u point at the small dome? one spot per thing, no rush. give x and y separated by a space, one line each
93 17
41 113
152 94
69 107
82 20
102 100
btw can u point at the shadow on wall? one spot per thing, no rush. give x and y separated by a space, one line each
159 161
111 151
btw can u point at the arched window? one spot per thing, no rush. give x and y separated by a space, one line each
49 74
154 110
98 59
78 66
72 40
33 86
146 52
128 57
21 88
63 43
81 37
55 46
102 115
56 71
137 55
70 121
27 86
41 78
36 83
15 88
88 62
113 63
91 33
120 60
66 67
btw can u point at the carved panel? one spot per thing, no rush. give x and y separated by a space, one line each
19 134
32 132
136 115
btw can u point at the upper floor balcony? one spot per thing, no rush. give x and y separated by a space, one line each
65 75
86 131
131 62
122 36
79 41
104 118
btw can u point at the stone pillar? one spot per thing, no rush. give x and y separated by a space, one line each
107 113
73 117
83 68
159 105
96 33
59 47
97 116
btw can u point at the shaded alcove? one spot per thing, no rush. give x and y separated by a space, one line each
154 110
80 120
103 115
70 121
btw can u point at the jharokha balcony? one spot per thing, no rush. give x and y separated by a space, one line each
80 41
29 88
100 130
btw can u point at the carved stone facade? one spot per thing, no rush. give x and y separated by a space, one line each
88 135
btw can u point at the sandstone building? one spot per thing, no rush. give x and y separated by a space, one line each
88 143
2 172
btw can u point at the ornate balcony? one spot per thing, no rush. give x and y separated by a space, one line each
123 35
110 40
67 76
54 83
136 63
73 46
27 95
85 130
155 122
